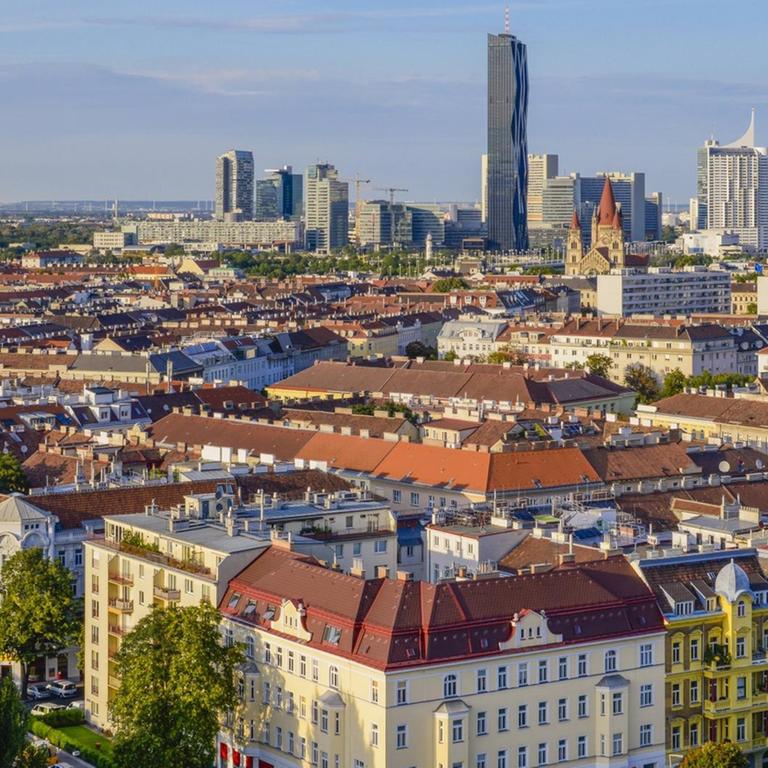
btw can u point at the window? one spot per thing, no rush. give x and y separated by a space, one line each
457 731
741 687
741 610
501 758
303 666
695 649
522 716
396 496
646 695
562 668
675 694
449 687
402 737
501 678
618 744
481 725
502 721
480 761
562 750
618 703
482 681
357 548
610 661
646 655
331 635
414 499
375 691
290 661
267 653
645 735
402 692
543 671
522 674
374 735
333 677
694 691
324 721
543 718
582 705
380 546
676 652
266 693
675 737
581 746
541 754
522 757
693 734
562 709
315 712
582 665
741 647
250 647
315 670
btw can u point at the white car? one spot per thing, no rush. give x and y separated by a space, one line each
64 689
45 708
38 691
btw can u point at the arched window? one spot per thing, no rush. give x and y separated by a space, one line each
610 661
333 677
449 687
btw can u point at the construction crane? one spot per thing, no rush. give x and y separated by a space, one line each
391 191
358 181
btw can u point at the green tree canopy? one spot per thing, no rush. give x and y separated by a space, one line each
419 349
715 755
448 284
598 364
38 614
508 355
450 356
674 383
176 680
12 477
643 380
13 723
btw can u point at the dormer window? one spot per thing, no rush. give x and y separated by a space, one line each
683 608
331 635
233 601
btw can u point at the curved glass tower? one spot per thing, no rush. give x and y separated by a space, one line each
507 143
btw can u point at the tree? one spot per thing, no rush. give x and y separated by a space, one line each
508 355
33 757
419 349
13 723
12 477
643 380
715 755
599 365
38 614
674 383
450 356
447 284
176 680
752 308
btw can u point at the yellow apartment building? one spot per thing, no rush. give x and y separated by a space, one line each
565 667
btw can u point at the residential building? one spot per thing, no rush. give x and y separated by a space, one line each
342 671
326 208
472 339
110 240
241 234
715 607
507 143
54 258
664 291
744 298
234 186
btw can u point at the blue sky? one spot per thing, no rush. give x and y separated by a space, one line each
135 99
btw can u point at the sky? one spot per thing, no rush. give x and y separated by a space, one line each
135 100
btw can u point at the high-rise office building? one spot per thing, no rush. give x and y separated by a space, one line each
484 187
629 192
736 189
653 213
384 223
507 142
279 195
234 186
540 168
326 208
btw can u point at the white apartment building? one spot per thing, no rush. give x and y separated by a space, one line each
228 233
664 291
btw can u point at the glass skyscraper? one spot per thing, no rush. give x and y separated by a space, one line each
234 186
507 143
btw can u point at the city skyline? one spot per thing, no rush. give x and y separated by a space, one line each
181 87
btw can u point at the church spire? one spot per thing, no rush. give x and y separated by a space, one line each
607 207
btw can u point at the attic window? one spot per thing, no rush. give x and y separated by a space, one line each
233 601
331 635
250 608
483 642
269 614
684 608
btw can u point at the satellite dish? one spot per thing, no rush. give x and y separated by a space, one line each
724 466
760 464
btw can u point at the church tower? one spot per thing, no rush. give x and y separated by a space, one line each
574 251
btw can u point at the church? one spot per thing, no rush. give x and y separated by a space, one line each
607 249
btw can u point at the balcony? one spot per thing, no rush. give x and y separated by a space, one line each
115 629
167 594
121 606
717 708
121 578
113 681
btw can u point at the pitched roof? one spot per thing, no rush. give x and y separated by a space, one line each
533 550
607 208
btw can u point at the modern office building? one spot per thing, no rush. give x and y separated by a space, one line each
280 195
629 193
541 168
664 291
653 213
382 223
484 187
326 209
234 186
733 188
427 219
507 143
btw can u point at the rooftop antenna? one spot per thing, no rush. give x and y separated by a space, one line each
506 19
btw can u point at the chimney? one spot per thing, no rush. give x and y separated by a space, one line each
566 558
404 576
382 572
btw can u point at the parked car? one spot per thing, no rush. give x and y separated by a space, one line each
38 691
76 705
45 708
64 689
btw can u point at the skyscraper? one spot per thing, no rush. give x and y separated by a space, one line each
234 186
540 168
326 208
507 142
737 188
279 195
